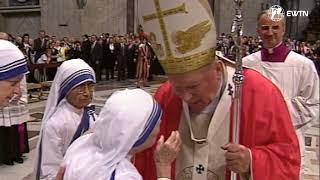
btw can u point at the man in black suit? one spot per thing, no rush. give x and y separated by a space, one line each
85 48
75 50
132 55
40 45
122 49
96 56
110 58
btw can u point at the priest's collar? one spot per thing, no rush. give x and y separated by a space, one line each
271 50
277 54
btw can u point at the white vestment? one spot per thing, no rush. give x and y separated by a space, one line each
206 161
298 81
59 132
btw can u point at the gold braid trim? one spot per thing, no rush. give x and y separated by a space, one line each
173 65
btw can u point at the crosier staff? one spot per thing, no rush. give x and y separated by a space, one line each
238 77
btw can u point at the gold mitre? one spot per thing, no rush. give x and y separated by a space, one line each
181 32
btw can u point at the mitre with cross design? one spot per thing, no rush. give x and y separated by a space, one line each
181 32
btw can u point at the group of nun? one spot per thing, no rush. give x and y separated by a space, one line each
91 146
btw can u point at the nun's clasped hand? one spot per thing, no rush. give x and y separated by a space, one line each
166 152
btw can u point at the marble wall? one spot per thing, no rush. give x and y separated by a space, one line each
18 24
60 17
105 16
302 21
64 18
4 3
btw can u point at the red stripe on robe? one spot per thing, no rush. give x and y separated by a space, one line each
265 128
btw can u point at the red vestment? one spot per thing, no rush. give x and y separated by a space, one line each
265 128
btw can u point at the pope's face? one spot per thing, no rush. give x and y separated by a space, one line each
9 88
271 32
198 88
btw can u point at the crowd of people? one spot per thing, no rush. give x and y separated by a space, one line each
186 130
252 44
129 55
124 54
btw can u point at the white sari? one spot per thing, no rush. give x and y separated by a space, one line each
126 121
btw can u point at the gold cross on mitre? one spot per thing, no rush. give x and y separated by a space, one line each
184 32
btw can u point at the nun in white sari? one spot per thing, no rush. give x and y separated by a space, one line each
13 67
128 122
67 115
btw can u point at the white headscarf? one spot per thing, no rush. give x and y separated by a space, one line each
12 61
126 121
70 74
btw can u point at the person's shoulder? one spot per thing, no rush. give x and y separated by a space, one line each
255 81
253 54
56 120
165 94
164 89
166 86
299 59
54 124
59 117
252 57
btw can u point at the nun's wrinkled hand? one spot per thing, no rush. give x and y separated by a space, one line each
166 152
61 172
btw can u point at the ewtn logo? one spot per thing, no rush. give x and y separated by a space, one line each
276 13
297 13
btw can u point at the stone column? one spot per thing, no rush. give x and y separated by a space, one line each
3 3
2 23
102 16
60 18
130 16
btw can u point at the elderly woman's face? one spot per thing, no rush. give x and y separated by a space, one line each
153 136
82 95
149 142
9 88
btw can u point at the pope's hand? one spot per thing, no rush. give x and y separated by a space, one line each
166 152
237 158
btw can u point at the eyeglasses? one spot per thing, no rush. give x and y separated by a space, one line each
84 88
268 28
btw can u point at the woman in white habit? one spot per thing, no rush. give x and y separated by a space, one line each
67 116
129 123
